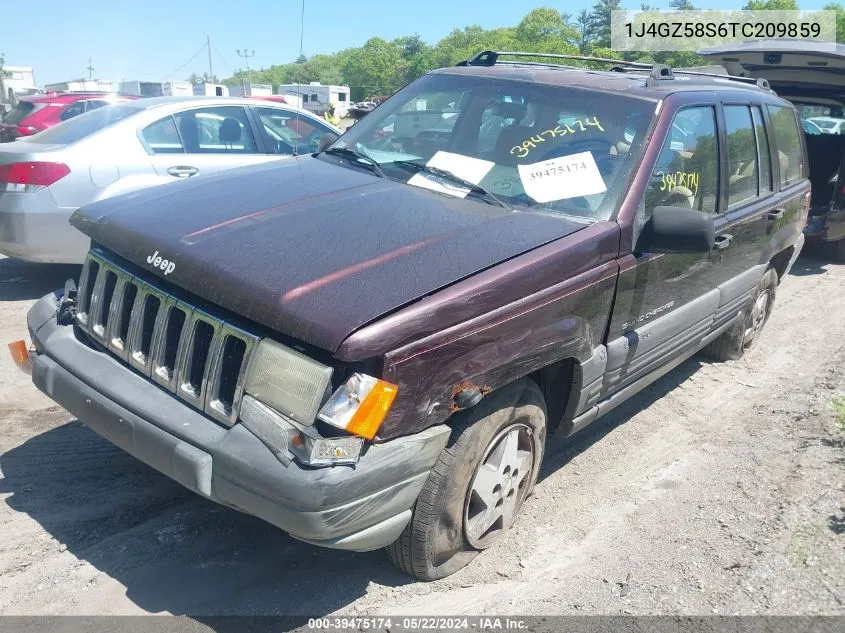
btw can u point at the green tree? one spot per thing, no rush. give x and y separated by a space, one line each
585 35
376 68
771 5
840 19
418 56
682 5
3 73
599 21
301 59
545 29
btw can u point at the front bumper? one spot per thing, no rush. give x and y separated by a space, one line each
34 229
361 508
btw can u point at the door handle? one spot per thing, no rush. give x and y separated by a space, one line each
777 214
722 241
182 171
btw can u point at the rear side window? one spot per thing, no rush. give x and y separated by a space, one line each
81 126
743 171
162 137
788 144
687 170
19 112
762 151
74 109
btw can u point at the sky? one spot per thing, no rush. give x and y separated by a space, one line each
154 40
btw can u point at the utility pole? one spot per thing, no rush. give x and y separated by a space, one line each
246 55
90 69
210 70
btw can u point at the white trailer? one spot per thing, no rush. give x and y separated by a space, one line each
316 97
205 89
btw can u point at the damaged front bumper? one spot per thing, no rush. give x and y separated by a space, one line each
358 508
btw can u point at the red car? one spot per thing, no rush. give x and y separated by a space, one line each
38 112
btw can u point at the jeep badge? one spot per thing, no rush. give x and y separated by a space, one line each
159 262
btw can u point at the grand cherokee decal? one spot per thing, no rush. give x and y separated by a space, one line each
648 315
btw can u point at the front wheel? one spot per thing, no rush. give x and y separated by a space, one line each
477 487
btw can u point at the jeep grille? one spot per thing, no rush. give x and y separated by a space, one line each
182 348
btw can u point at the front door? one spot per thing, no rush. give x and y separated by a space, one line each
666 302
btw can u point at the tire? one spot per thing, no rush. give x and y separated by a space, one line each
443 534
741 336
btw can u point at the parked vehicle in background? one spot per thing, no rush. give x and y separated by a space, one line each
367 346
39 112
810 128
812 76
829 125
128 146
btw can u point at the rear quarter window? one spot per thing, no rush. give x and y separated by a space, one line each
788 145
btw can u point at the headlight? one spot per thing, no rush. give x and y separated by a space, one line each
288 381
359 405
285 439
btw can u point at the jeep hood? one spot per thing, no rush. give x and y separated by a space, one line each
309 248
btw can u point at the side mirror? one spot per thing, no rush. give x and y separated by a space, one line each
677 230
327 139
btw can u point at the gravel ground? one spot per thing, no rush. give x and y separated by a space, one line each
719 489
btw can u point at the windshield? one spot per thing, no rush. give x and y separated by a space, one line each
83 125
538 147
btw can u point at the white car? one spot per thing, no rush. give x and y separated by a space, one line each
829 125
44 178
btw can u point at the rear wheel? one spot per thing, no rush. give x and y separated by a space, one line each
741 336
477 488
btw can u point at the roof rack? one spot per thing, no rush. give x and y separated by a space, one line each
657 72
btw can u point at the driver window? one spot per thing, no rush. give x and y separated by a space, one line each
289 133
686 173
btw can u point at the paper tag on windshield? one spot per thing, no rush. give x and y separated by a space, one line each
562 178
470 169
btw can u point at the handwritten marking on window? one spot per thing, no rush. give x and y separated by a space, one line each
688 179
581 125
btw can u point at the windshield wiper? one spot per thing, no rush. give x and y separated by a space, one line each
445 173
358 156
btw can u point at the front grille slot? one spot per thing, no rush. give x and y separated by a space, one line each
167 348
231 361
197 356
86 289
140 349
201 344
103 304
123 316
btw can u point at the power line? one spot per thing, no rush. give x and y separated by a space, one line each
246 55
222 59
193 57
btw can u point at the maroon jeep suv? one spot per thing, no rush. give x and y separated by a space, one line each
367 346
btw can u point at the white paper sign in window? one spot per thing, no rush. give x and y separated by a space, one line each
562 178
465 167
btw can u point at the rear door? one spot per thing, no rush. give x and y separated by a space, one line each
751 211
203 140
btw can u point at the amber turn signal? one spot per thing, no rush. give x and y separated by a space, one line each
20 354
360 405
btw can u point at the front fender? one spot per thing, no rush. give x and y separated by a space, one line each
567 320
